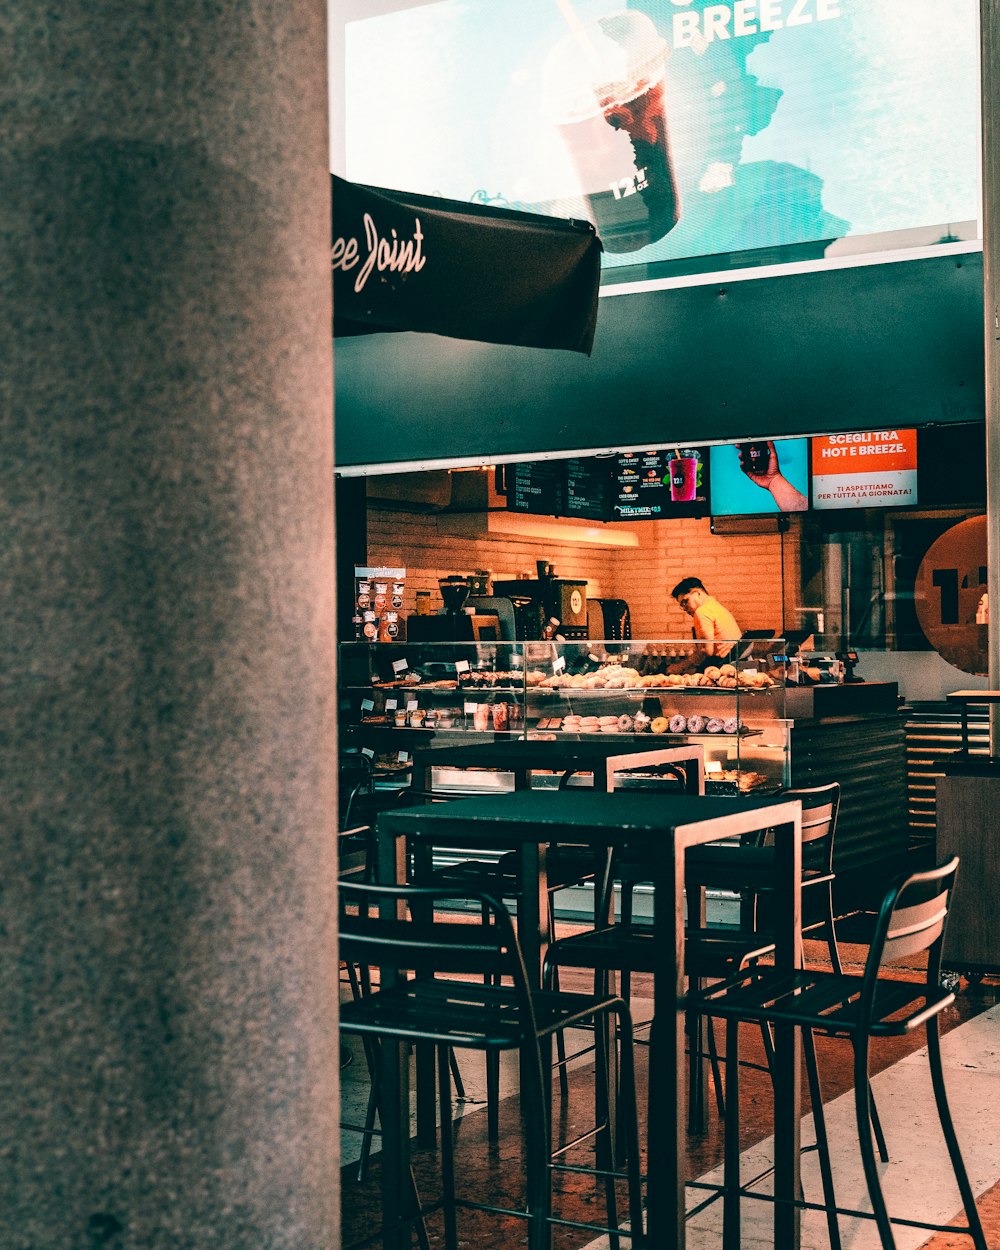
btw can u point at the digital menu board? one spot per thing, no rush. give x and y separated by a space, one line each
758 477
697 136
651 485
873 469
589 488
536 486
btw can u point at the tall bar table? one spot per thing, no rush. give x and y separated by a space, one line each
662 827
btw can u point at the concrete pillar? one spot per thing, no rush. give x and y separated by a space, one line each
990 44
168 1060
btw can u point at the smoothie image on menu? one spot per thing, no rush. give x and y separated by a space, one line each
684 477
604 85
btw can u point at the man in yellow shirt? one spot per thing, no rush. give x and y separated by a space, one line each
715 626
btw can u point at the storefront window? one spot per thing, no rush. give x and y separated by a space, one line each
850 576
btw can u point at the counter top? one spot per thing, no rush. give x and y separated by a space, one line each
856 698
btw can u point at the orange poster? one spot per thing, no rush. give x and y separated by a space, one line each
873 469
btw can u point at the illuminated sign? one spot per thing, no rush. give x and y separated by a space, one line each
875 469
697 136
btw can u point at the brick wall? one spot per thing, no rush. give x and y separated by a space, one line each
743 571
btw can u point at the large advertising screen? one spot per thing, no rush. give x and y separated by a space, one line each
759 477
697 136
873 469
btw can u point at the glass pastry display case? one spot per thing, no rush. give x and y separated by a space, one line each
395 696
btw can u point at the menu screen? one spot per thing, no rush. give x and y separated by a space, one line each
874 469
698 137
642 485
589 488
762 476
536 486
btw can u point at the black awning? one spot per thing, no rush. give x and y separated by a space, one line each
414 262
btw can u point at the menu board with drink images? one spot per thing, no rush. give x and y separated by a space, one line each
658 484
872 469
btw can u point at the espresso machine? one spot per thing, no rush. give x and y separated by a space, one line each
540 601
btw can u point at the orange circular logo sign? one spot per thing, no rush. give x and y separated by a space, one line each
949 586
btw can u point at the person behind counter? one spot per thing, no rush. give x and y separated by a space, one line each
714 626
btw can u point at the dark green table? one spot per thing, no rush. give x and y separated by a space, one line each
661 827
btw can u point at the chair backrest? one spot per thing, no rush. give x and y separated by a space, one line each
355 776
397 929
912 919
356 852
820 809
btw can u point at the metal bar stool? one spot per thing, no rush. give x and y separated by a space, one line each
494 1009
912 919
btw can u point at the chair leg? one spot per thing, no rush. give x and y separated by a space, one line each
731 1216
822 1139
625 917
629 1126
560 1046
456 1075
369 1129
371 1062
492 1074
883 1149
695 1025
830 932
538 1153
493 1096
876 1126
713 1058
447 1149
604 1144
862 1111
951 1140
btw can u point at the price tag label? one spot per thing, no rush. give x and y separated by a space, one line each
713 766
390 705
368 751
750 672
367 705
516 661
411 705
558 664
399 666
595 659
461 666
470 708
403 757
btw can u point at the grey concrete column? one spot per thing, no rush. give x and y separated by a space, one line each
168 1063
990 42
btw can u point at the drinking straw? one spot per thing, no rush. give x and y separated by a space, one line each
579 30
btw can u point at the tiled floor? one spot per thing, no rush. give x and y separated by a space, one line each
917 1181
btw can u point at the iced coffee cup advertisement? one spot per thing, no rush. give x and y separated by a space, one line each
697 136
874 469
